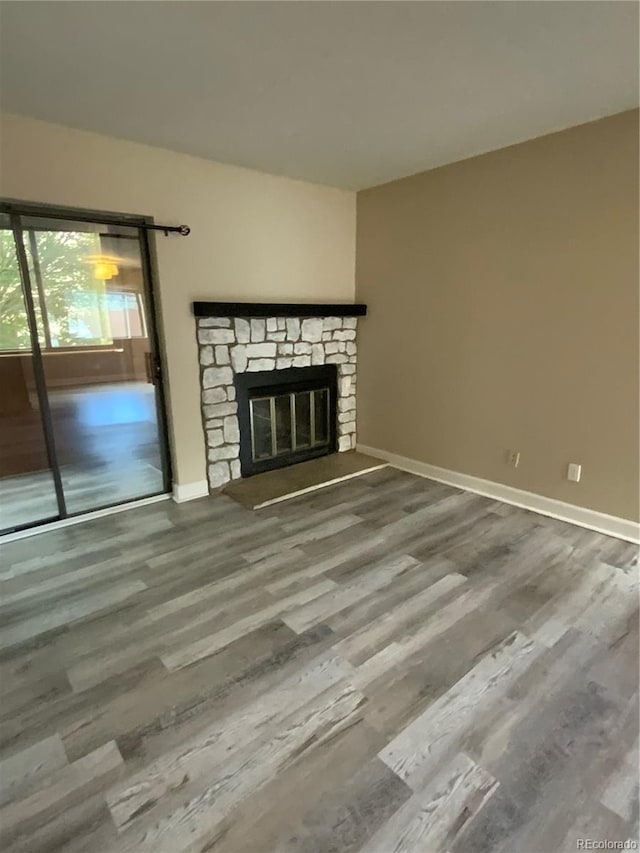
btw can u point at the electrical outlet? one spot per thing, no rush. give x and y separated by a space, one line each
574 472
513 458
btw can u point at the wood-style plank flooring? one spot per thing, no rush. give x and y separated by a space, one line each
388 665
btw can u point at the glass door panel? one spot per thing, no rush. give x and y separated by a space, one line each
93 323
320 412
261 432
283 423
27 487
302 404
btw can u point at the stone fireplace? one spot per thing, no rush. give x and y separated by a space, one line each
278 384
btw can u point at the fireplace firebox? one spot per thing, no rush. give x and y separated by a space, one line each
285 416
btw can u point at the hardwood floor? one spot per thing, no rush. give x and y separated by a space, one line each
388 665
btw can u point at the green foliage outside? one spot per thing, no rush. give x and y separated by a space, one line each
75 300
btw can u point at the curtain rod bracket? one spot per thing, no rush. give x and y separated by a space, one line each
182 230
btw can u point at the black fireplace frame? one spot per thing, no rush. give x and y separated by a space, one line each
288 380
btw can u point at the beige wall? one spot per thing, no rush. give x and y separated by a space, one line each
254 237
503 297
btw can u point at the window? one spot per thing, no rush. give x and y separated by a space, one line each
75 305
14 327
125 314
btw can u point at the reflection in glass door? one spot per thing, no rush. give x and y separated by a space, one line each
91 339
27 486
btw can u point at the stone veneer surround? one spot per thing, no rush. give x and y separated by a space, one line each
230 345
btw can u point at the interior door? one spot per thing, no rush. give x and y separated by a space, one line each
96 349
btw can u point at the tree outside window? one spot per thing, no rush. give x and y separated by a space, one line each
79 310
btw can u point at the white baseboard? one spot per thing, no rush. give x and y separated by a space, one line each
190 491
81 519
611 525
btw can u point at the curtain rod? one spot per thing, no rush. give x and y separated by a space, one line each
45 211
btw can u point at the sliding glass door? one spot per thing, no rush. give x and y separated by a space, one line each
81 421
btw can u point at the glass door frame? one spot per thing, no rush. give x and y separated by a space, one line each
15 210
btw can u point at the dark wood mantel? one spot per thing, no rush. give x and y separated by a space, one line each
278 309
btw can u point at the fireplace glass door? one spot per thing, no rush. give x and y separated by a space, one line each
286 416
284 424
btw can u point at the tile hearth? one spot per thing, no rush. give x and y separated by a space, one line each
273 487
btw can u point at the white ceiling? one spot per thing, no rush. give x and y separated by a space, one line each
350 94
